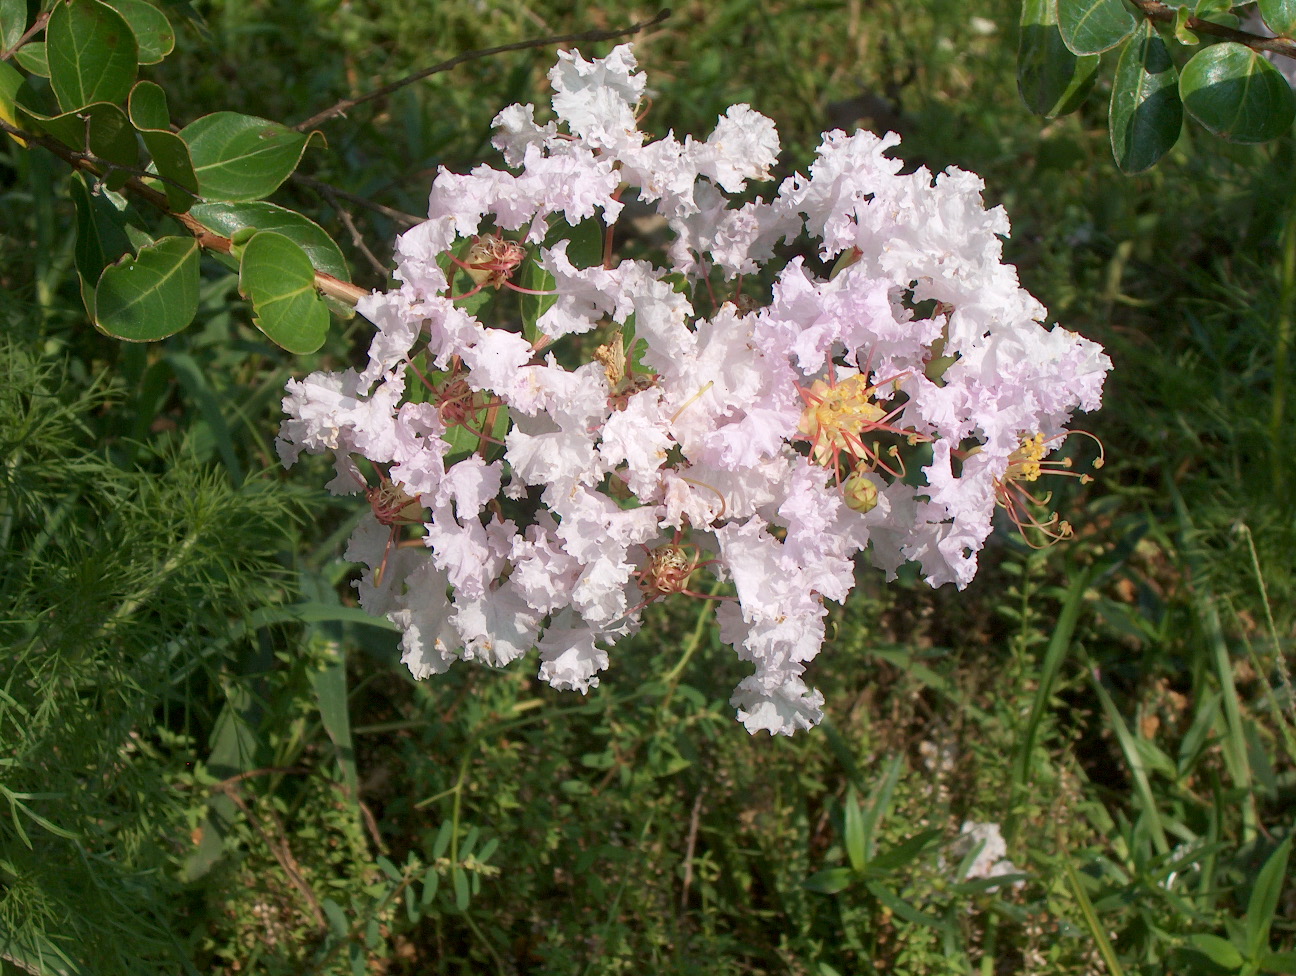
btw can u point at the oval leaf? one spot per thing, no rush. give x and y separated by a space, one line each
32 57
227 219
1145 114
149 114
101 129
148 107
153 34
460 881
535 279
11 81
1052 81
241 157
1279 15
1237 94
151 296
1094 26
336 917
276 276
13 22
92 53
101 230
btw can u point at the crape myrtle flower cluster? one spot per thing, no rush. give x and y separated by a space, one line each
621 443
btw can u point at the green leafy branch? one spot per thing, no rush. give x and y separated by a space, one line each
76 94
1227 84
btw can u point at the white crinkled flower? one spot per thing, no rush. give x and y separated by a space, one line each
597 99
598 442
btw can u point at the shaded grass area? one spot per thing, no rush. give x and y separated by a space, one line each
1118 705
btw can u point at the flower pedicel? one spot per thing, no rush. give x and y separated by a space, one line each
622 443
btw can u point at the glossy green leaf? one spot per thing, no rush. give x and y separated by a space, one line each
1211 8
13 22
277 277
92 53
150 296
102 129
1263 902
1182 33
1237 94
148 107
1094 26
33 57
535 278
11 82
227 219
1279 15
1052 81
101 229
1220 951
1145 115
241 157
585 247
148 113
153 33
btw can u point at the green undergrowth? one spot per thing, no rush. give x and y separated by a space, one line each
211 761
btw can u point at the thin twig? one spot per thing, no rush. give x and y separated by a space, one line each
263 771
343 291
1155 10
282 853
331 198
689 846
371 824
399 216
347 104
37 26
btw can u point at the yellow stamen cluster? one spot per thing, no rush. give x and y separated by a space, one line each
836 416
1027 464
1024 463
